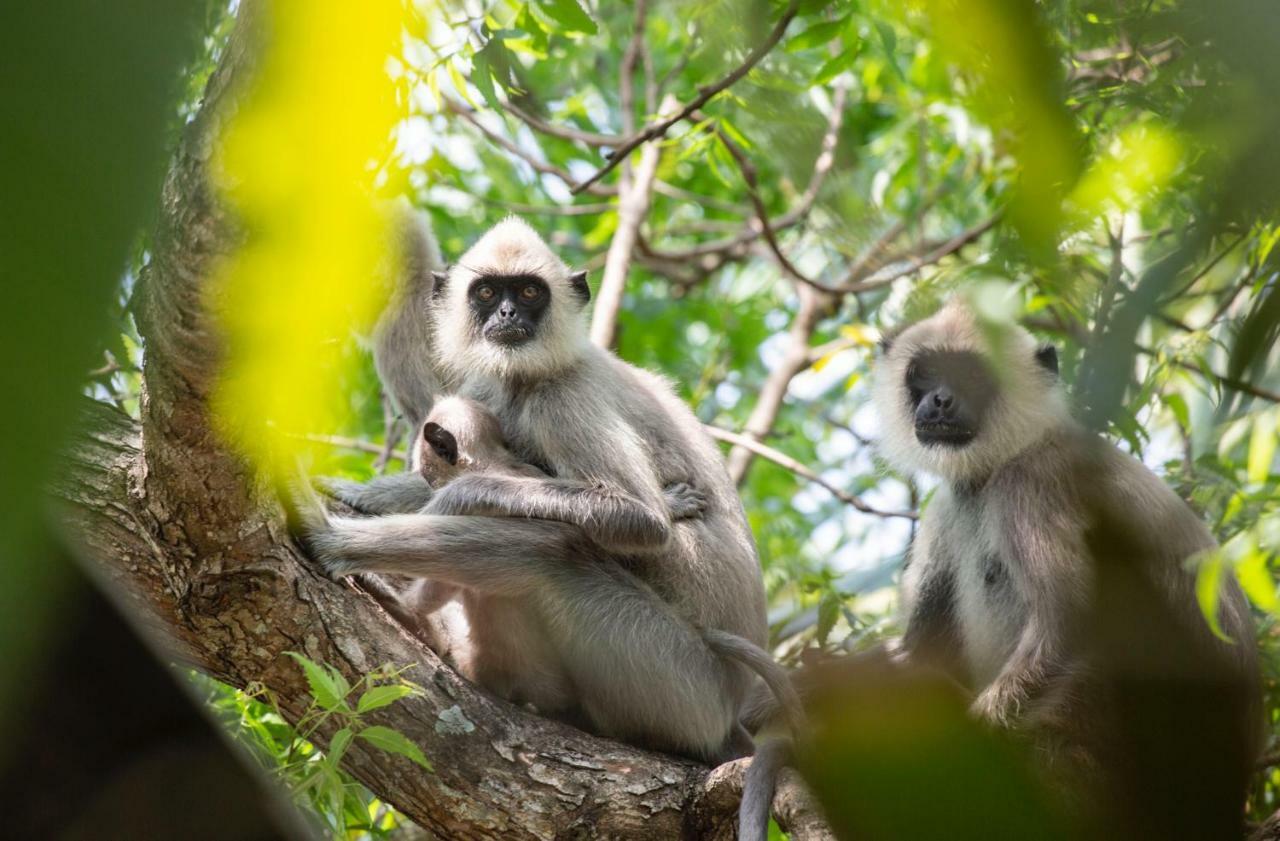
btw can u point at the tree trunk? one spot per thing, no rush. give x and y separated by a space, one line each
198 553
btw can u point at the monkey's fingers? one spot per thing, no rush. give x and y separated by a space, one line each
304 512
684 501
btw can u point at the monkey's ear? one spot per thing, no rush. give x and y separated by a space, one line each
442 441
578 283
887 337
1047 356
438 280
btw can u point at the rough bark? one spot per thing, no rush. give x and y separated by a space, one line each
198 552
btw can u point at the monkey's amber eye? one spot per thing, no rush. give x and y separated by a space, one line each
531 292
485 293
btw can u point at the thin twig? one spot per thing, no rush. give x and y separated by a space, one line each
357 444
787 462
469 115
705 95
587 138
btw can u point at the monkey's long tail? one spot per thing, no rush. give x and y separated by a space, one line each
769 759
758 788
758 660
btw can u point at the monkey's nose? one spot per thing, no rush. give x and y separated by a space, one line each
938 406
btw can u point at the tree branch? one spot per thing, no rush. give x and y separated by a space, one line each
704 96
783 460
199 553
813 305
467 114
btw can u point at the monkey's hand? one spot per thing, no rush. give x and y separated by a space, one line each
400 493
999 704
308 521
684 501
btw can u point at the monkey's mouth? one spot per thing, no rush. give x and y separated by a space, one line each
508 336
944 434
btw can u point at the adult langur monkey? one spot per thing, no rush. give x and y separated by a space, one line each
509 644
1050 574
506 329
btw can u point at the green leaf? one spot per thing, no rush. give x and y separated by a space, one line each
1255 579
1178 405
393 741
828 614
327 692
338 745
817 35
1208 589
381 696
889 38
482 77
836 65
570 15
1262 446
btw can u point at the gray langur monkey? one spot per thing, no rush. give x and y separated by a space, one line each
1050 571
638 595
508 648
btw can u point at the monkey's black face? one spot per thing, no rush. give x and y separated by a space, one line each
949 393
508 308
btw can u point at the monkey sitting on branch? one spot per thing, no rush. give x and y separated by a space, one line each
652 618
506 645
1051 576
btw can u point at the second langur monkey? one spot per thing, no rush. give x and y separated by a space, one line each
1050 572
508 331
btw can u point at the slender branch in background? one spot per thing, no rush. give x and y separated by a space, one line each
627 72
671 191
469 115
1113 287
553 209
865 261
785 461
391 431
720 250
587 138
1208 267
705 94
1222 379
751 178
813 305
897 269
635 196
1078 332
821 166
360 445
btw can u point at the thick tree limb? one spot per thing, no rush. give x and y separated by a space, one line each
197 552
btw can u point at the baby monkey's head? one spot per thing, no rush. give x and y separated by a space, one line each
462 435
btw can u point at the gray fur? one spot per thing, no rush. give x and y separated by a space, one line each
759 786
623 586
1002 584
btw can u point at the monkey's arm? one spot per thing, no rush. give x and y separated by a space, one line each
399 493
1050 566
612 518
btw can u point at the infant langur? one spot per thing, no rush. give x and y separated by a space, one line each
514 645
1050 574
